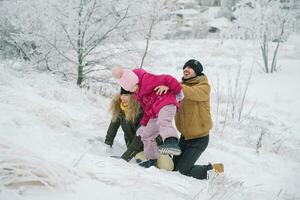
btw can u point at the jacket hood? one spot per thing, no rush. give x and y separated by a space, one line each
140 73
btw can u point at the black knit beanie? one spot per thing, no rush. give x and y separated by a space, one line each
123 91
195 65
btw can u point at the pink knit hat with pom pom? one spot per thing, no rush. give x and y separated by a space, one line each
126 78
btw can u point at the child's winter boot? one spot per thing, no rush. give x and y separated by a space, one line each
170 146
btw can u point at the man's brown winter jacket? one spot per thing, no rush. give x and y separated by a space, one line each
193 119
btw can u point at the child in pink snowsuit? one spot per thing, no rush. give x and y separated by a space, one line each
157 96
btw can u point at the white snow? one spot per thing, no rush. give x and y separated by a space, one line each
187 12
220 23
47 120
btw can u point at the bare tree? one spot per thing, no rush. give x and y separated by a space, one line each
267 21
265 51
244 94
260 138
151 16
78 37
91 30
148 37
236 96
68 32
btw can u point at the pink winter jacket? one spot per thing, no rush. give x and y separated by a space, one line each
147 97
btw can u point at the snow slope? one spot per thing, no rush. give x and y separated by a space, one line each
54 126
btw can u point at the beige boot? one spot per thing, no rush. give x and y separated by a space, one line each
218 167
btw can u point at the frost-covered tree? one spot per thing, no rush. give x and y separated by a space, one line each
76 36
266 21
153 21
84 25
67 30
229 4
13 42
227 7
87 25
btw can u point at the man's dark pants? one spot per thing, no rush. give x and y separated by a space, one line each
191 151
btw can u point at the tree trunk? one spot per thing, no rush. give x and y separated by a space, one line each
264 51
79 46
80 74
149 34
145 52
274 61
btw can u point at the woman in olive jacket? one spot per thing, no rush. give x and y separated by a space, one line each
126 113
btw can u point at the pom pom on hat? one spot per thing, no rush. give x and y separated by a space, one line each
126 78
117 72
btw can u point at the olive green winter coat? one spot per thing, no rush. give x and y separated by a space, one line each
129 123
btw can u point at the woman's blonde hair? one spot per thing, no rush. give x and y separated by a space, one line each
133 108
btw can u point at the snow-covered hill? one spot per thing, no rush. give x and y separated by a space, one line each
52 132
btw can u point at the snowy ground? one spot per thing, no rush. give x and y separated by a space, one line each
58 129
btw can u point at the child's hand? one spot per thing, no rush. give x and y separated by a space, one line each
180 96
162 89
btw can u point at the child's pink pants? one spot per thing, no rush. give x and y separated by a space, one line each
162 125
